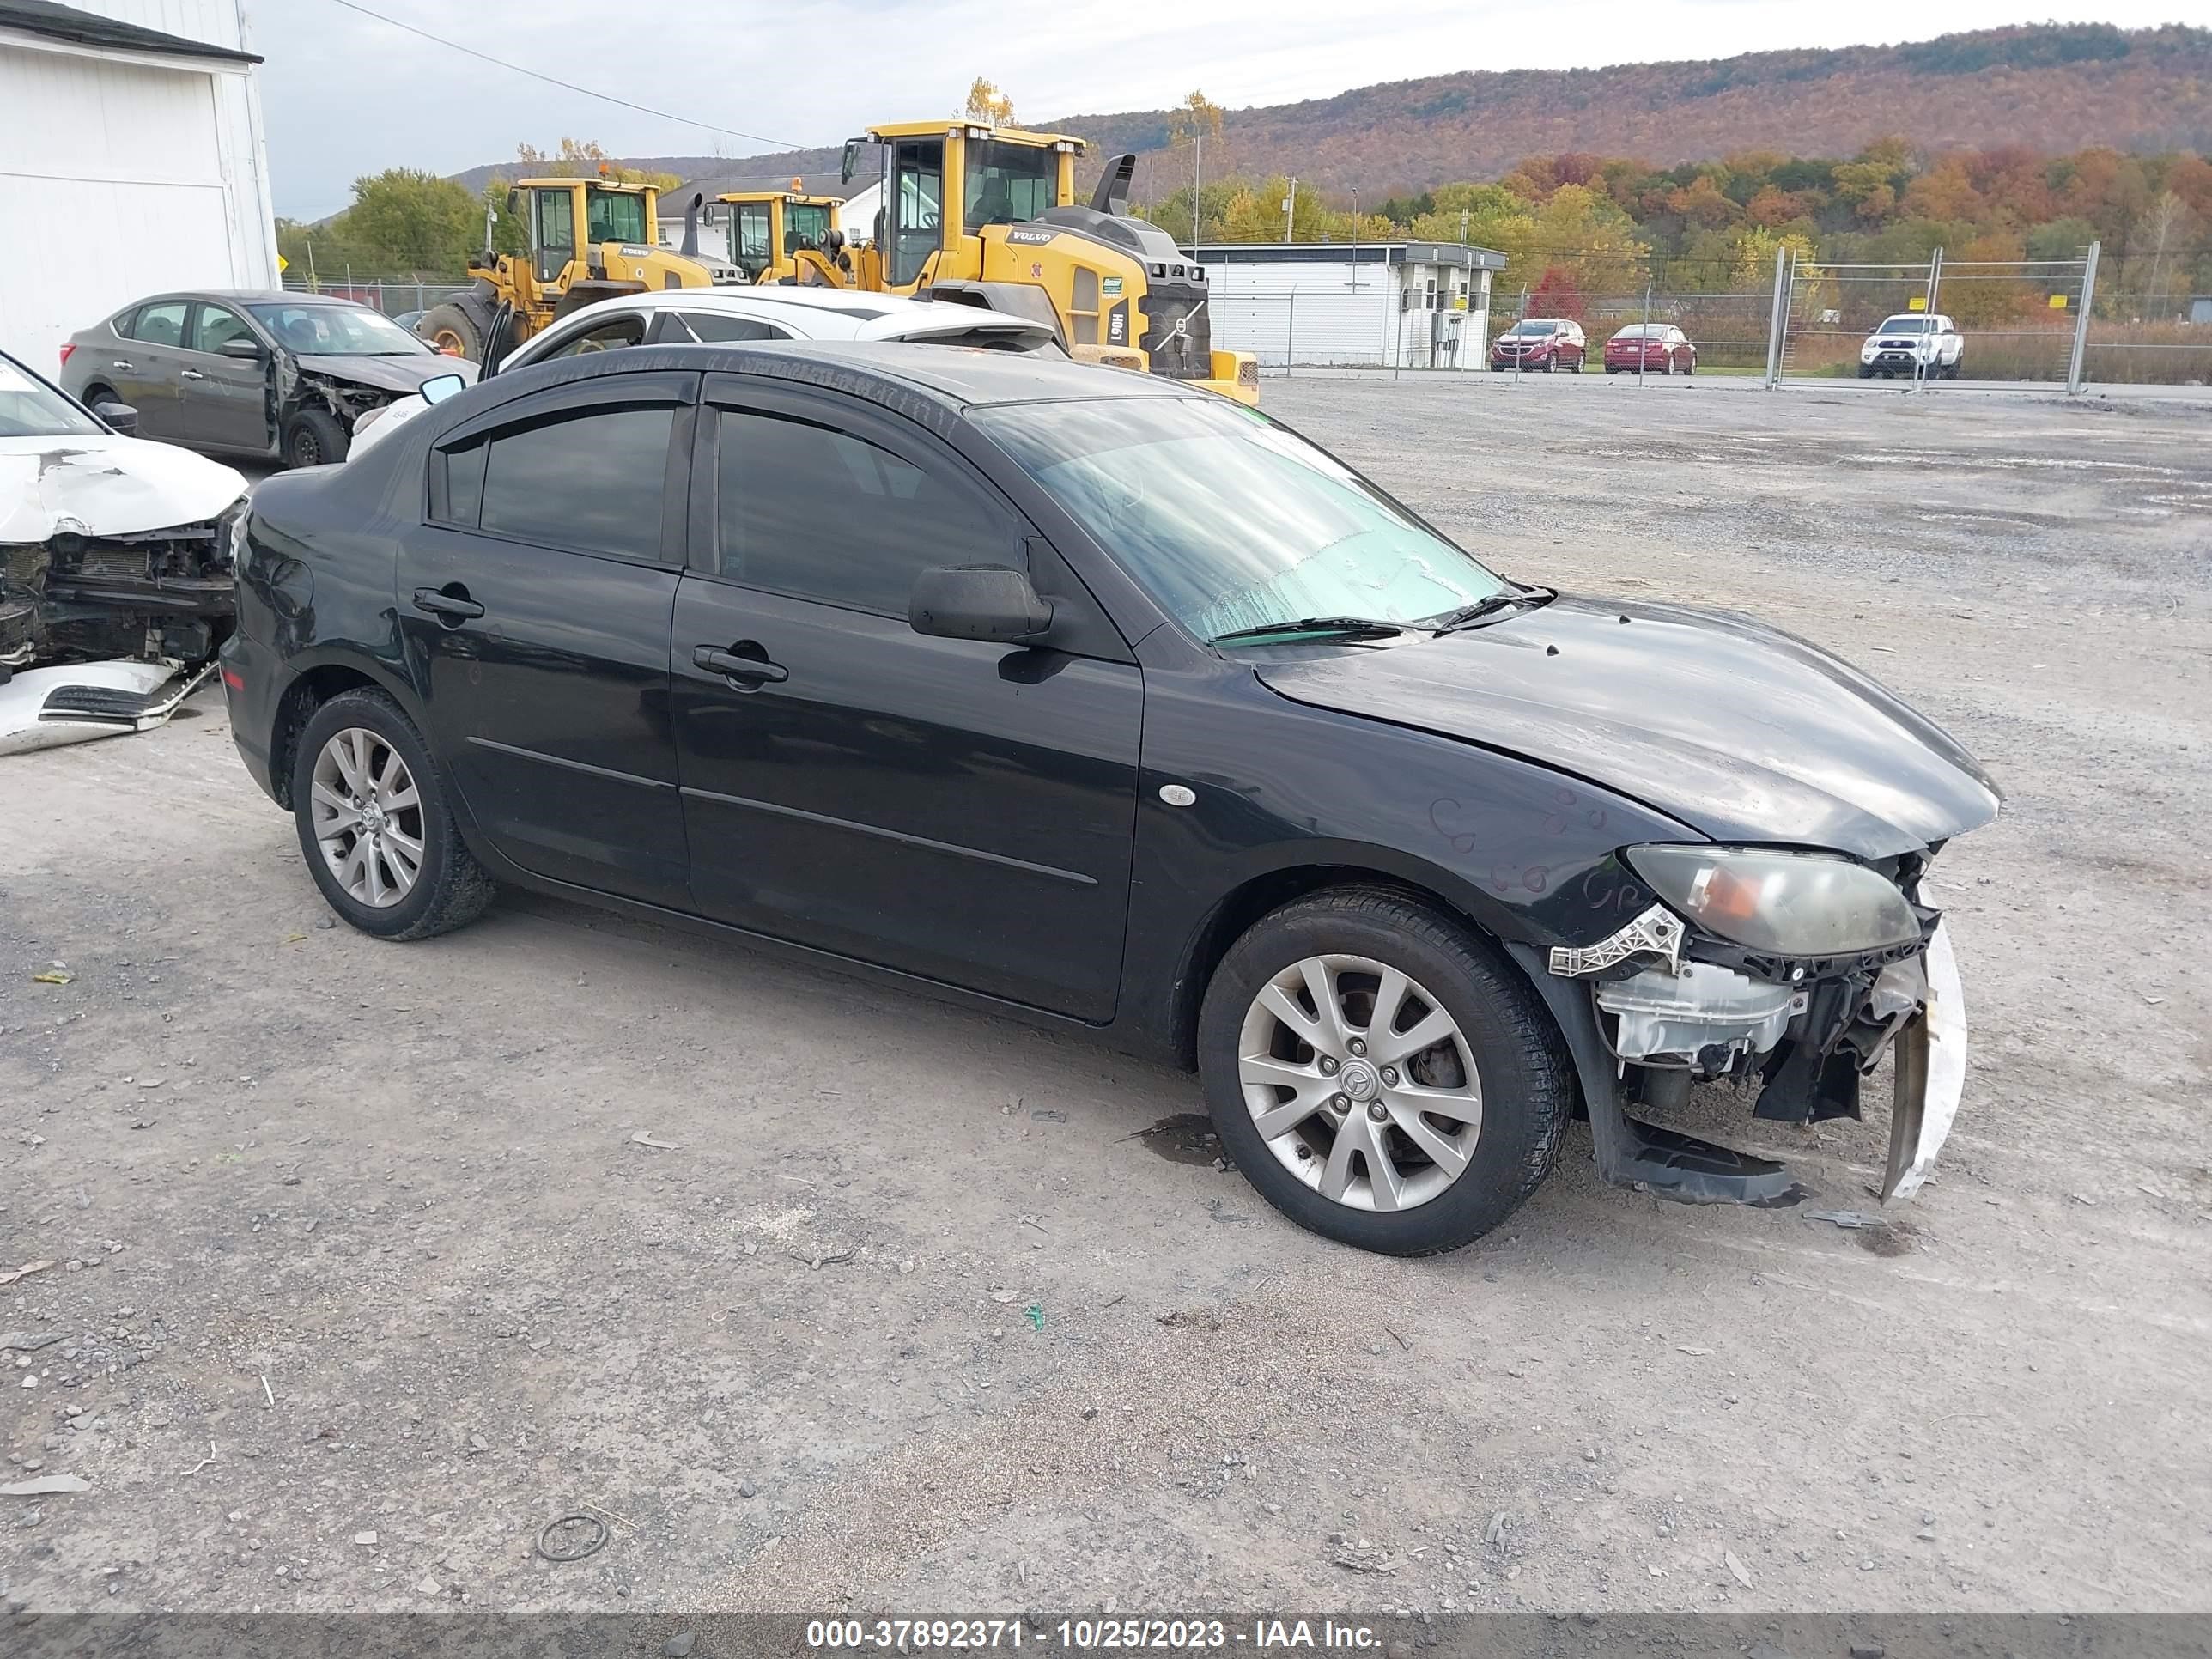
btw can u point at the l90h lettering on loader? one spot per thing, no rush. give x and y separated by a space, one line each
987 216
590 239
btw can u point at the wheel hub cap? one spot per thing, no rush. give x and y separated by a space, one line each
1359 1081
367 816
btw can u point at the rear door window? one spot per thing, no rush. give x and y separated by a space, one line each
590 474
683 327
162 324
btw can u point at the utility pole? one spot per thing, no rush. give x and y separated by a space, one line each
1197 154
1355 239
1289 209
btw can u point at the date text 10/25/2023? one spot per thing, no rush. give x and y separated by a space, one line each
1108 1634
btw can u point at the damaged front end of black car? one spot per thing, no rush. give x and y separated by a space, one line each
1789 974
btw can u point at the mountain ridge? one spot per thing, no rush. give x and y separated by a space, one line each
2050 87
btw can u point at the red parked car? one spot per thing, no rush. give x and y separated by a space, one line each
1655 347
1541 343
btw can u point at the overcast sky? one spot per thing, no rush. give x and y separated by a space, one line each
346 95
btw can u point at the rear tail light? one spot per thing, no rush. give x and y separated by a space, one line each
68 346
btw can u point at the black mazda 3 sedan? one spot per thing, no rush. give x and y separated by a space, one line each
1078 694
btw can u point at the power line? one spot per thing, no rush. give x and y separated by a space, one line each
555 80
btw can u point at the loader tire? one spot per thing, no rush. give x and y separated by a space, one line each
450 328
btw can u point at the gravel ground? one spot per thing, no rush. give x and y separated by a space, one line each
364 1273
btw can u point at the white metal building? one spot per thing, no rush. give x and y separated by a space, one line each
131 160
1398 305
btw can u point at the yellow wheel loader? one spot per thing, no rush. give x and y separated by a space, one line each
769 229
589 238
986 215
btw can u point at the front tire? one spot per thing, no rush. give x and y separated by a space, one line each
313 438
1380 1074
376 825
449 327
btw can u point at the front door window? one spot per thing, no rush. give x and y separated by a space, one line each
557 233
917 206
752 242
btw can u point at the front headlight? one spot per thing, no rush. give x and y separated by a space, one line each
1794 904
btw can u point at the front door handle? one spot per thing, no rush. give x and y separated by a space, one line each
447 602
194 374
744 671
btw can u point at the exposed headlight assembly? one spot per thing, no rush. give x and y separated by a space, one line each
1790 904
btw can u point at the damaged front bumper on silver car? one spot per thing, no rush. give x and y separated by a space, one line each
1661 1004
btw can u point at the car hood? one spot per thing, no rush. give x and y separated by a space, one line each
105 484
1741 732
387 373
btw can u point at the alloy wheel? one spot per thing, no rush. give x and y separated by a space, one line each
1360 1083
367 817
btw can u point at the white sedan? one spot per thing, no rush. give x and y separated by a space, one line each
775 311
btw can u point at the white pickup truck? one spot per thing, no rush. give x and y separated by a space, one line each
1920 343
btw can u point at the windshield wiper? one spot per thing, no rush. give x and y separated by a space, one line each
1468 615
1343 628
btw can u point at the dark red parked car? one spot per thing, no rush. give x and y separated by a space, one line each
1655 347
1543 343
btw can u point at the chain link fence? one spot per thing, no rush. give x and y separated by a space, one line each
393 299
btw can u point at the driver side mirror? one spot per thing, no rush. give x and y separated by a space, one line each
439 387
851 164
121 416
242 346
994 603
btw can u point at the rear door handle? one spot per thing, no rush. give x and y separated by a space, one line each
123 363
194 374
736 667
459 606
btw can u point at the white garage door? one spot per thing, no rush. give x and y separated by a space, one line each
111 185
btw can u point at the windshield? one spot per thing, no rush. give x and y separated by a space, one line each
804 225
1231 521
31 409
1906 326
1008 184
337 330
1532 328
613 215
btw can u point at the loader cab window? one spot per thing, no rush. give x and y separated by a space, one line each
917 196
804 225
750 237
555 236
614 217
1008 184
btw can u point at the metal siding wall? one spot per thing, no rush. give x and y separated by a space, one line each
151 177
1305 313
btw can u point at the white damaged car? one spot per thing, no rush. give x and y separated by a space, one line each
777 311
115 567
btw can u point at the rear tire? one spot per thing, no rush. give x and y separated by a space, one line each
1500 1059
313 438
450 328
362 741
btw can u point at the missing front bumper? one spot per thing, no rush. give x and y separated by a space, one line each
1928 1052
